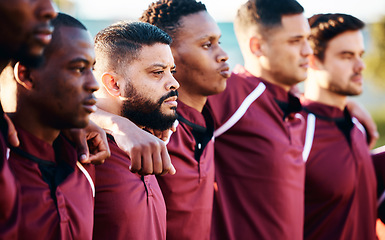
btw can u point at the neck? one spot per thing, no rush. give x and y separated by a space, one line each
108 103
33 124
318 94
256 70
195 101
3 64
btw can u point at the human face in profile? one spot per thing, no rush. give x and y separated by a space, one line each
343 64
149 88
64 84
201 61
25 28
285 52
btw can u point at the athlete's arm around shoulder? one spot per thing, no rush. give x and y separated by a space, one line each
148 153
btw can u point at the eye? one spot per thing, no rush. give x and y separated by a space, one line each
158 73
80 69
207 45
294 41
173 72
347 56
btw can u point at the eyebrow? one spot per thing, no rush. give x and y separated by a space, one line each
297 37
346 52
212 36
160 65
350 52
77 60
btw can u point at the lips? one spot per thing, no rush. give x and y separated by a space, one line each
43 34
89 105
304 64
357 78
225 71
171 101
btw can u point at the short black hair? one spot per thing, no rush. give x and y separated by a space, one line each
264 14
325 27
166 14
122 41
65 20
62 20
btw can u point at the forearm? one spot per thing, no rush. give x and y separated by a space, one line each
148 154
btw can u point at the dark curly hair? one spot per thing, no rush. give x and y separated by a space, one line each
325 27
166 14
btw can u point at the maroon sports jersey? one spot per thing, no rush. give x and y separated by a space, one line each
379 166
56 191
258 161
189 193
127 205
340 184
9 201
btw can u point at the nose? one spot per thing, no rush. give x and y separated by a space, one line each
91 85
306 49
222 56
46 10
360 65
172 83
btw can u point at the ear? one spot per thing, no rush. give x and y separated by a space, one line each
255 45
110 83
23 76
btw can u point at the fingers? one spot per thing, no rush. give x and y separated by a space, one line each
97 144
157 164
150 157
167 164
99 157
12 134
158 133
364 117
373 137
147 164
78 136
91 143
166 134
81 146
99 149
136 160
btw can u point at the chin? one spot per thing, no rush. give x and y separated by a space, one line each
82 123
169 112
36 51
172 114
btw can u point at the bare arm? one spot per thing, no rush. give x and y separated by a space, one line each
148 153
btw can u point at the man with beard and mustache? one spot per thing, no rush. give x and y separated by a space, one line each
340 183
56 191
135 67
202 71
